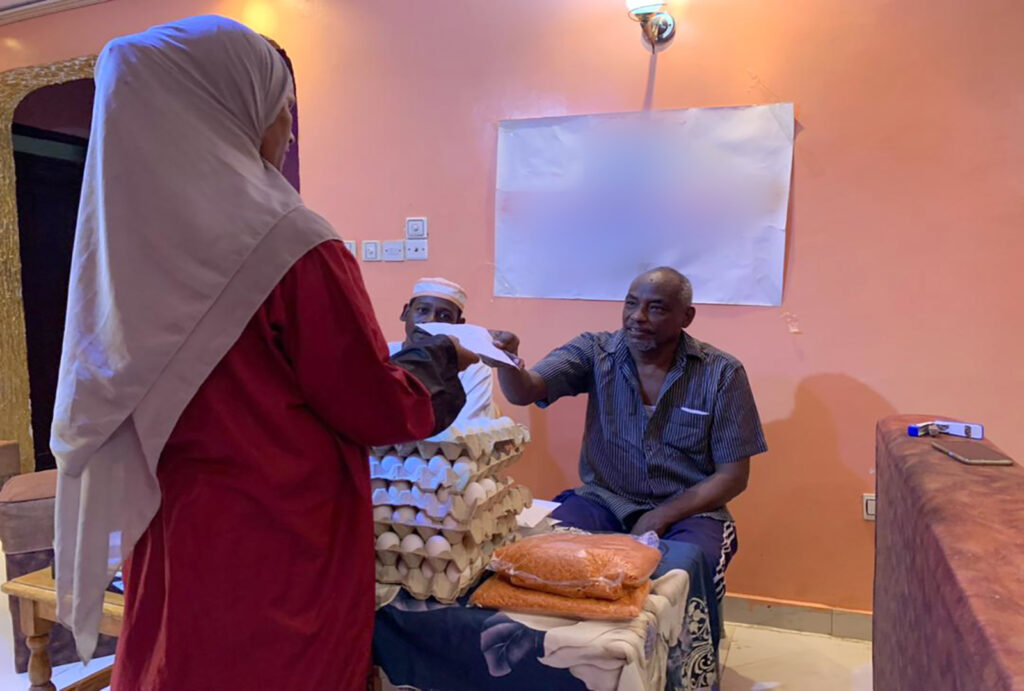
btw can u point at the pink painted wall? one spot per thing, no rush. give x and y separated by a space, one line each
906 224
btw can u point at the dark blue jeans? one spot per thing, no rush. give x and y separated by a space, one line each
716 539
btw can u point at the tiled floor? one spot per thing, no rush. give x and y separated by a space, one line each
760 658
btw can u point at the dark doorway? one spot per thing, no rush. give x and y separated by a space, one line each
49 134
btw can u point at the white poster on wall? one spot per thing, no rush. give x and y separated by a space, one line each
586 203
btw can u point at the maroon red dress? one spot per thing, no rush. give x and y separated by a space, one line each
257 572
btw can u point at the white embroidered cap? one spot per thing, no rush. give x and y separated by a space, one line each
440 288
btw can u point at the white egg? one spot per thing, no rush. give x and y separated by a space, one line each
378 484
422 518
439 464
381 513
387 541
442 494
413 465
412 542
427 570
388 463
436 546
474 494
463 467
453 572
403 569
461 482
489 485
405 514
401 486
450 523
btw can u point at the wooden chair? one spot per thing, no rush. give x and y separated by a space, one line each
94 682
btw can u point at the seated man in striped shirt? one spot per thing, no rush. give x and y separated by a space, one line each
671 422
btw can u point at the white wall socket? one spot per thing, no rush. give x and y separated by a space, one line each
393 251
868 505
371 250
350 245
416 228
416 250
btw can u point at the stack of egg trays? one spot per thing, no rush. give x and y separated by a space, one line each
437 521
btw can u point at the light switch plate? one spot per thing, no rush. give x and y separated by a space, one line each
868 507
350 245
416 228
393 251
416 250
371 250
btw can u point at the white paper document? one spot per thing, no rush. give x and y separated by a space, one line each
583 204
473 338
538 511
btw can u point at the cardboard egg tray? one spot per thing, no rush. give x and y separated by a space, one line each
462 554
439 585
473 441
458 506
419 508
478 530
445 581
436 471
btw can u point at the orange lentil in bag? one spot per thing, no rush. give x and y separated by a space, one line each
581 566
497 593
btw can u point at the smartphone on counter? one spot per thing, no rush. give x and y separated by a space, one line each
972 453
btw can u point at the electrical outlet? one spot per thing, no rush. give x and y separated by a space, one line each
416 228
868 507
371 250
416 250
350 245
393 251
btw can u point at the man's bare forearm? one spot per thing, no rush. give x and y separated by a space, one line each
728 481
707 495
521 386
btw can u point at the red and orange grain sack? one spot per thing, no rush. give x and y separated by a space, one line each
568 575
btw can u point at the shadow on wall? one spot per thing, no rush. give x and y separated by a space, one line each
808 488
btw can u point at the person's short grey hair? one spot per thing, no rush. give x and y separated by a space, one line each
685 287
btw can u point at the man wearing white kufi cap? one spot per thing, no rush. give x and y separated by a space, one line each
441 300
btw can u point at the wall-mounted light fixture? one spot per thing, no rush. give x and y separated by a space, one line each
658 26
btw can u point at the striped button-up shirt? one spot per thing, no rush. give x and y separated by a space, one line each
633 460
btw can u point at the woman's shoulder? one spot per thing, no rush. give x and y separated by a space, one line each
302 219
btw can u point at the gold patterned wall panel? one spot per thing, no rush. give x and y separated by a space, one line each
15 411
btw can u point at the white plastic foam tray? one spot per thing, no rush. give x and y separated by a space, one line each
442 579
475 440
436 471
409 501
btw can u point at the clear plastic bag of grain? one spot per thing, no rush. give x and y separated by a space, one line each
603 567
498 594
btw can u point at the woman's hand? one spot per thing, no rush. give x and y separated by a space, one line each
466 357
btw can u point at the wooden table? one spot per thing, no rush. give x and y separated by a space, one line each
37 595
